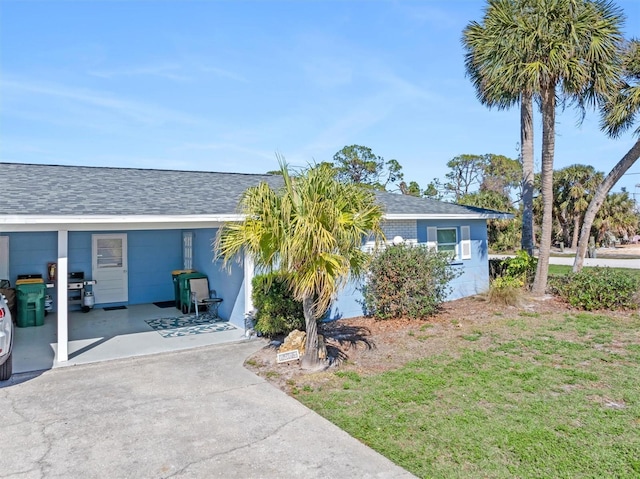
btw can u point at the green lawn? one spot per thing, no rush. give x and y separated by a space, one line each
539 396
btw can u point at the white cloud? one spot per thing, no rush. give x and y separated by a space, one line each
105 101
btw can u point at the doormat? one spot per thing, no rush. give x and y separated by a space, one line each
113 308
165 304
187 325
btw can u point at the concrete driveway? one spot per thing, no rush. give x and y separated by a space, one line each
195 414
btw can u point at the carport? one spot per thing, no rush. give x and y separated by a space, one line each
127 229
101 335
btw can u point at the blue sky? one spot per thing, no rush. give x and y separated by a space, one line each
224 85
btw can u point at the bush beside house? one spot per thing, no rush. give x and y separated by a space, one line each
407 281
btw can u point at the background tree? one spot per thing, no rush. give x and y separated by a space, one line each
502 175
412 189
358 164
617 217
310 232
465 175
619 111
502 235
490 172
487 181
573 188
434 190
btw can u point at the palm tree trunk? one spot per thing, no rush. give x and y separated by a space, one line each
310 360
526 150
598 198
548 147
576 231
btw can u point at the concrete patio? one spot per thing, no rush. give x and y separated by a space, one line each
101 335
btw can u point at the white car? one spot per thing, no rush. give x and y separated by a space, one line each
6 340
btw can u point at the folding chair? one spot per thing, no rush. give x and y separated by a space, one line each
203 298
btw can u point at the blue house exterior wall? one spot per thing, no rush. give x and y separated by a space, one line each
228 282
473 280
29 253
152 256
475 271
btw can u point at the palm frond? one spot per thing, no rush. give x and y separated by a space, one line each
311 230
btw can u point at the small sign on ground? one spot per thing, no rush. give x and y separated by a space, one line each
288 356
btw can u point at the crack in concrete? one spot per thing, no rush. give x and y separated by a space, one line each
14 409
22 473
40 429
238 448
48 441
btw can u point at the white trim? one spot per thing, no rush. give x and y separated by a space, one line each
89 226
114 219
62 351
157 221
440 216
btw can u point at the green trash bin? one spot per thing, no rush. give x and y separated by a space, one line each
176 283
185 288
30 295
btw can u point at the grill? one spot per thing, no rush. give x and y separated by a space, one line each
75 284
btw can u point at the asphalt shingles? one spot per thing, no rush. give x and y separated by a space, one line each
55 190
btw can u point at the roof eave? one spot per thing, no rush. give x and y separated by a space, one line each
120 219
443 216
76 221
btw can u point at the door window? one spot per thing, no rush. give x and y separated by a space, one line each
109 252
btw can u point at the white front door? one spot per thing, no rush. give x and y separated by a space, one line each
109 253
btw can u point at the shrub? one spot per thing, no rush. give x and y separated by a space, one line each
506 290
409 281
278 312
497 268
597 288
521 266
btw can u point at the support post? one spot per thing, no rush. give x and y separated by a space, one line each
62 352
248 286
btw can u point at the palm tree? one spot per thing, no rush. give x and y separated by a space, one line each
616 217
485 63
311 231
573 189
548 48
618 114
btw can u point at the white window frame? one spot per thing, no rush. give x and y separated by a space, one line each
463 240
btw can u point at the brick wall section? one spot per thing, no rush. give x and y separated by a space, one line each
406 228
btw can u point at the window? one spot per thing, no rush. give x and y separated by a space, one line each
187 249
447 240
109 252
455 240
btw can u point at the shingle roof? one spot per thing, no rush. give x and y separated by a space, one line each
53 190
77 190
396 204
